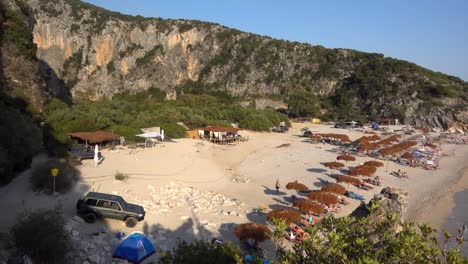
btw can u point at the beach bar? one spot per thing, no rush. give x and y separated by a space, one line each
96 137
219 135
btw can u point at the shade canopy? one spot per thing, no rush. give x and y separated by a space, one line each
348 179
135 248
297 186
334 188
374 163
288 215
95 137
346 158
323 197
150 135
307 205
256 232
333 165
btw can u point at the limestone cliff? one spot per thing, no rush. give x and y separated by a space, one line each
99 53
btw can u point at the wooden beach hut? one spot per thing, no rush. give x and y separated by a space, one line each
219 134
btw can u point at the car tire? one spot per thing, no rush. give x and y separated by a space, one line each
131 222
90 217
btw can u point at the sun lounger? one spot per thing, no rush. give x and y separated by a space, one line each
355 196
314 221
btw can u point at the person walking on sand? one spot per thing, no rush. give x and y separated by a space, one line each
277 186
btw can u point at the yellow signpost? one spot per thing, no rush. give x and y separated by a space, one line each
54 172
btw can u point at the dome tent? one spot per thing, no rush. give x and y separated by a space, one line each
135 248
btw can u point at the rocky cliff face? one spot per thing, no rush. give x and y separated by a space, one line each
98 53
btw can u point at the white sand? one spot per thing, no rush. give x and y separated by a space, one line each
201 212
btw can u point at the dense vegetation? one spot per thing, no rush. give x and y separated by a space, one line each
126 114
41 235
16 151
341 240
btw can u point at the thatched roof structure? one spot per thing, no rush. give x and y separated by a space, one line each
362 170
297 186
219 129
346 158
289 215
407 155
256 232
323 197
333 165
94 137
397 148
373 163
334 188
306 205
348 179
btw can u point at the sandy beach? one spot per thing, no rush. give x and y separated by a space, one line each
192 189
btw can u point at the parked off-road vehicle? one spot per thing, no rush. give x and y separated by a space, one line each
82 153
103 205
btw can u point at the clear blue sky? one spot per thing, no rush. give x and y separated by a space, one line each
433 34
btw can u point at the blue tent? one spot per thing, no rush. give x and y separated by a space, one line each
135 248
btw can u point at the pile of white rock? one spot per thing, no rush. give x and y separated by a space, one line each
166 199
94 248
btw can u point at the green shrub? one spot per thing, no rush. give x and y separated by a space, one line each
42 236
202 252
174 130
20 138
42 180
121 176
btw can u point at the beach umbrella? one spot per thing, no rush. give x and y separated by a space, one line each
333 165
373 163
135 248
362 170
408 156
306 205
323 197
334 188
257 233
297 186
289 215
346 158
348 179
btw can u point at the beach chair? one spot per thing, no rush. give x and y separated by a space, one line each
355 196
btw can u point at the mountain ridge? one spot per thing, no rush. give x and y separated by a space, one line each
100 53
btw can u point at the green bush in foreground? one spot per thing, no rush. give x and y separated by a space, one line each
41 235
202 252
42 180
368 240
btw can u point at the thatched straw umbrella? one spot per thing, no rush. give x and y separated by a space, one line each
252 231
362 170
297 186
373 163
334 188
346 158
348 179
307 206
408 156
323 197
288 215
333 165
